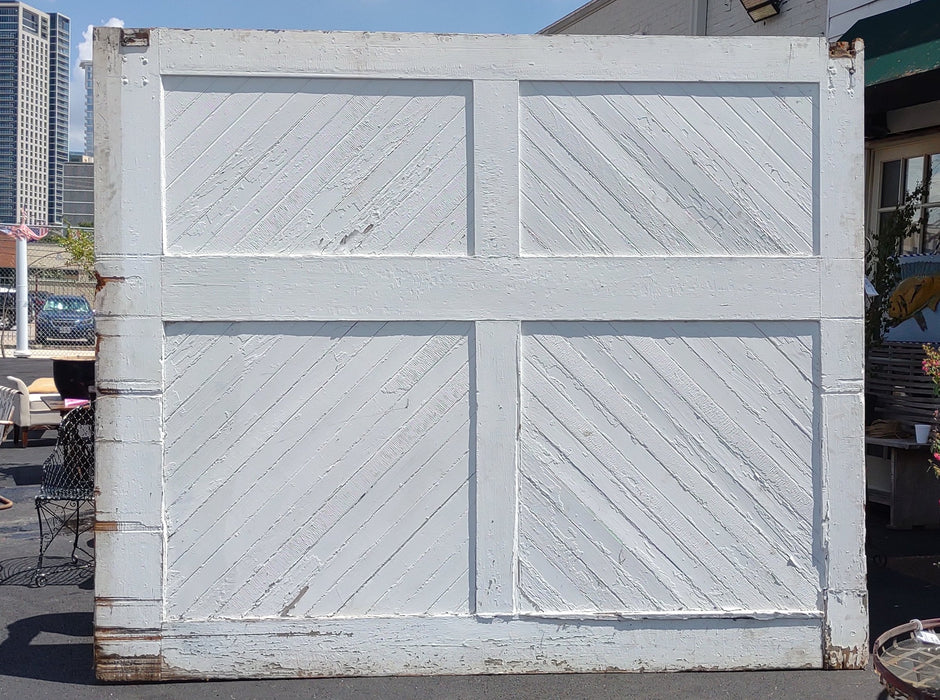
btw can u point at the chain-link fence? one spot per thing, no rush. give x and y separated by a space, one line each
60 316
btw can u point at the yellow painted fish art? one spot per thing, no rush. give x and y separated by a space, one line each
912 296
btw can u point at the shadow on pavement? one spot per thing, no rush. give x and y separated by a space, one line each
59 571
903 573
22 657
27 475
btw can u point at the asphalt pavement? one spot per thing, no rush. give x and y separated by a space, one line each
46 633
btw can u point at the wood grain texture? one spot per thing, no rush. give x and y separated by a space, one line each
842 206
436 645
290 165
667 169
477 354
317 470
466 56
496 168
496 426
495 289
667 466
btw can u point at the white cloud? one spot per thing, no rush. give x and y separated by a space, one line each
84 48
77 87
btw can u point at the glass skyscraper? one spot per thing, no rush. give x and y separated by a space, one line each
58 111
34 84
89 107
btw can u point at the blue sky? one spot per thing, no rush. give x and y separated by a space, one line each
477 16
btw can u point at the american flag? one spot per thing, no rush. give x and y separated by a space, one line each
24 232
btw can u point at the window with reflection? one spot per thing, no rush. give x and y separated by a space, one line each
899 178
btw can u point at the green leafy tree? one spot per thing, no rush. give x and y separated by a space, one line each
79 244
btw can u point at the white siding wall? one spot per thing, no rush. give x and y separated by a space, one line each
637 17
728 18
722 18
797 18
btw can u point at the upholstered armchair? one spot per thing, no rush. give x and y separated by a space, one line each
28 410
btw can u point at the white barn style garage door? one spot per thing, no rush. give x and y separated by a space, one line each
458 354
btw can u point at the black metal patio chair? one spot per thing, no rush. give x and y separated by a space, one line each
68 483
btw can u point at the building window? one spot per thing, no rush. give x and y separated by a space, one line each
30 21
897 171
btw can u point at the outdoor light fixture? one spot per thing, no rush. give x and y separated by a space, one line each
761 9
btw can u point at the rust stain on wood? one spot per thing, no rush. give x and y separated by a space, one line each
844 49
845 658
102 281
837 658
135 37
111 391
115 633
109 667
118 668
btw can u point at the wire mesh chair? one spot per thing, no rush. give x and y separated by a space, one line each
68 482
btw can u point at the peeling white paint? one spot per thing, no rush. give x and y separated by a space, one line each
456 354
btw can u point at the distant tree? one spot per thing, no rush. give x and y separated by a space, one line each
79 244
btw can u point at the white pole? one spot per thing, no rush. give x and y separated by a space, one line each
22 301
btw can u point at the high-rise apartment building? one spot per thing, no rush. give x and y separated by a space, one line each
34 64
89 108
58 111
78 208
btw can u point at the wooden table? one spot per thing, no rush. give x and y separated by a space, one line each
60 405
914 496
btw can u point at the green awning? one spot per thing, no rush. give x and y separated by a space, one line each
899 43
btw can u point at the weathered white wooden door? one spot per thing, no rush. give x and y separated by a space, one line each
458 354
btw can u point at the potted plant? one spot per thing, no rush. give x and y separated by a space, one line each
931 366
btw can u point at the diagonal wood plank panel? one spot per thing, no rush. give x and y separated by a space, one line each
315 469
317 166
442 354
656 475
655 169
